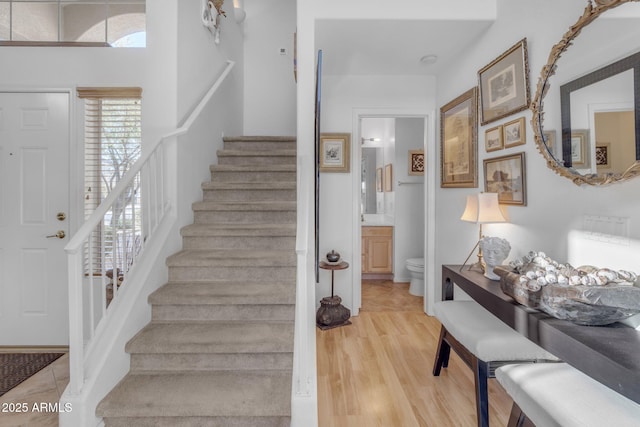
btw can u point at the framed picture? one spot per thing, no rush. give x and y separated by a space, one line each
579 148
493 139
379 180
334 152
416 162
504 84
514 133
459 141
388 176
505 175
603 153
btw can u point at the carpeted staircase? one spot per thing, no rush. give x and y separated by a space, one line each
219 348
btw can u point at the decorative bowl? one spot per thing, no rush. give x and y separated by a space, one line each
580 304
333 256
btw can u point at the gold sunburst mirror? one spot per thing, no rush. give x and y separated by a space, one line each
590 100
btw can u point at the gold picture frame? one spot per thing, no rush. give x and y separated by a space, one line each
388 178
335 150
416 162
514 133
506 175
504 84
459 141
493 139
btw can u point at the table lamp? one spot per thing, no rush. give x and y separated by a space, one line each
481 208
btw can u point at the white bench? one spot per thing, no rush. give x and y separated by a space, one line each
484 343
557 394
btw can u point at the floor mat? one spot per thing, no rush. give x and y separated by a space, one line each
17 367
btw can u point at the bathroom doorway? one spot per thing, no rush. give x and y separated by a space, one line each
392 199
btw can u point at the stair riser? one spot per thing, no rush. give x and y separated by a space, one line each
184 274
256 160
232 195
210 362
197 422
238 242
223 312
259 176
244 217
260 145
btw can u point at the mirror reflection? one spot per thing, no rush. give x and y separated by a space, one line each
591 132
371 160
598 118
377 136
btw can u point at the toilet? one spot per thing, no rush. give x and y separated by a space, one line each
416 270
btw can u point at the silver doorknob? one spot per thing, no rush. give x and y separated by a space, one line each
60 235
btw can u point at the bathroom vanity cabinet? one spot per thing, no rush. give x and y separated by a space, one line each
377 250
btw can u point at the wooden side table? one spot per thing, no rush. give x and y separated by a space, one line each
332 313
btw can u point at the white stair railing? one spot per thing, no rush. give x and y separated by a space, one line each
112 241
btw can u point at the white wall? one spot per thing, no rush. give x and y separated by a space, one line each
200 60
270 87
555 205
409 198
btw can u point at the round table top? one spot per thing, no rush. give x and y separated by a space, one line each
340 265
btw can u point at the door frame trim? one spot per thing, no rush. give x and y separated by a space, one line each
429 147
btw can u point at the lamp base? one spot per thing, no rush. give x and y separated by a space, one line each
479 265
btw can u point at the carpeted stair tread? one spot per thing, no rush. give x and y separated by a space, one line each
244 206
260 138
213 337
257 153
251 168
264 186
231 258
222 229
218 393
215 293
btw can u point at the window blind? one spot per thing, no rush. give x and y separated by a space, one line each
112 144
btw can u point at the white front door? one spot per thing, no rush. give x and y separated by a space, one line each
34 197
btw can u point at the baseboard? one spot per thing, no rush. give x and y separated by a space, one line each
34 349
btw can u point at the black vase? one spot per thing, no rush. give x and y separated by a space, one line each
333 256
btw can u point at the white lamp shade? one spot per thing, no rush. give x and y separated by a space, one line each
483 208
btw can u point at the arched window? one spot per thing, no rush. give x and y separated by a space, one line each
138 39
83 22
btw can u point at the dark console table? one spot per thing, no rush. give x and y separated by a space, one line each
609 354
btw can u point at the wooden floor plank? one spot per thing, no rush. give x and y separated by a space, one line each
377 371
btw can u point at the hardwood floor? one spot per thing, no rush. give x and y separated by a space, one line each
377 371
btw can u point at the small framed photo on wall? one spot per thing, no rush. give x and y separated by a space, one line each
514 133
335 149
416 162
506 175
493 139
388 177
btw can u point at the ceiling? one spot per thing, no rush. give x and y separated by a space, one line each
392 47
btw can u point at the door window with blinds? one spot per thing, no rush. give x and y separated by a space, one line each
112 144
